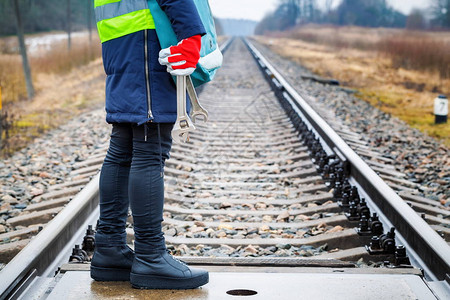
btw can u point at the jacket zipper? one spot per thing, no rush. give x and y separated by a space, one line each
147 76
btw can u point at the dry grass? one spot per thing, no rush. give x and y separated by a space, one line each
66 84
60 60
60 98
57 60
338 37
418 52
405 93
12 81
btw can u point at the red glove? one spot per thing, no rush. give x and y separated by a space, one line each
182 59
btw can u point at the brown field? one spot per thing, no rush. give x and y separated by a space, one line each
66 84
398 71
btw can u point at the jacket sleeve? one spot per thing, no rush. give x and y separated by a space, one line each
184 17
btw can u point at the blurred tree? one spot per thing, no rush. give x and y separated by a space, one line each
89 9
284 17
328 6
42 15
69 25
416 20
369 13
23 49
440 10
309 10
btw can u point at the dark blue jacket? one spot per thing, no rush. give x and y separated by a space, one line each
131 88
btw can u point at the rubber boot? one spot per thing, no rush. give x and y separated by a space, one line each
163 271
112 263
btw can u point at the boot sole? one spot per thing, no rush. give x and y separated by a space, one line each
110 274
140 281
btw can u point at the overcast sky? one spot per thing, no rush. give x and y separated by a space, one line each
256 9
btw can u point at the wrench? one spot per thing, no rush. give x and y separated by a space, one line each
183 124
197 109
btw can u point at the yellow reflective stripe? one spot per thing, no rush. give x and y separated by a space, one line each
125 24
103 2
113 10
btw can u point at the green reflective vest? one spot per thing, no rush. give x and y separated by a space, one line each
116 18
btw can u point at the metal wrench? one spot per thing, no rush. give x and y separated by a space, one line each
197 109
183 124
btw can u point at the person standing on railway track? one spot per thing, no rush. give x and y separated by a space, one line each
141 106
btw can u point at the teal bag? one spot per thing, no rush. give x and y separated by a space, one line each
210 56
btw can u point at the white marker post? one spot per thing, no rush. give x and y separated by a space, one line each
440 109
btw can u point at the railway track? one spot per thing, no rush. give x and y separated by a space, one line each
265 182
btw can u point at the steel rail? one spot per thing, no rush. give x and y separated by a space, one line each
35 258
224 46
431 248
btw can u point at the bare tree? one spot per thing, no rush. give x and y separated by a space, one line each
312 10
23 50
89 19
415 20
306 9
69 25
441 12
328 6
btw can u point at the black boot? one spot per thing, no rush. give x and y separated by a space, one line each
112 263
112 258
163 271
153 267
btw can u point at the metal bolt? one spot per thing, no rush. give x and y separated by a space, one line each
375 243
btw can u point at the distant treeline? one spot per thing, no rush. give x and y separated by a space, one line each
368 13
45 15
236 27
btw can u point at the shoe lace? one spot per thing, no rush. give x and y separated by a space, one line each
174 258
